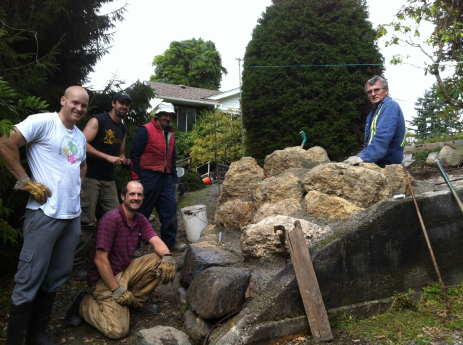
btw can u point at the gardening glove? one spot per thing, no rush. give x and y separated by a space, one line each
38 190
166 269
124 296
353 160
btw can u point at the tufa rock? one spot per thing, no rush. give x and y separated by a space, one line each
395 177
234 214
162 335
202 255
363 186
260 241
329 208
275 189
284 207
294 157
449 157
196 327
239 179
255 286
218 291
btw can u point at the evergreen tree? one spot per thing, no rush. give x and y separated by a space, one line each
193 62
328 103
61 41
434 116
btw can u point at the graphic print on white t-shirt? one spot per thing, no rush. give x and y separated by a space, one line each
69 147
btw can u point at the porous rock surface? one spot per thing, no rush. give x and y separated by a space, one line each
284 207
360 185
239 178
162 335
275 189
234 214
260 241
294 157
329 208
218 291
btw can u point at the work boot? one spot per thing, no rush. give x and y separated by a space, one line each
73 318
17 323
79 274
38 319
145 308
178 247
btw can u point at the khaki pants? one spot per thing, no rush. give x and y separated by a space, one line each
101 310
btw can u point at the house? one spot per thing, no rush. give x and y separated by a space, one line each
190 101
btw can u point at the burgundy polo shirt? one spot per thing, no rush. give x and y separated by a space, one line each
119 239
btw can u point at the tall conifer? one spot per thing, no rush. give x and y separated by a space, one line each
327 102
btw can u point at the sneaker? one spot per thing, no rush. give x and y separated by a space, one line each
178 247
145 308
79 274
73 318
136 254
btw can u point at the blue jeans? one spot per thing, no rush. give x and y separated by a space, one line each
46 257
160 194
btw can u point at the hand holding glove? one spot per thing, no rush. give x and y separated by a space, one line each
124 296
353 160
166 269
38 190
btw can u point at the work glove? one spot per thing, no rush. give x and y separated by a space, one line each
353 160
124 296
166 269
38 190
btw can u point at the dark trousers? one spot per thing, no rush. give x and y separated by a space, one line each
160 194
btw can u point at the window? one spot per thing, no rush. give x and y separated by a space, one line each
185 119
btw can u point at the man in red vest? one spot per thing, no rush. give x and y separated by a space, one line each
154 158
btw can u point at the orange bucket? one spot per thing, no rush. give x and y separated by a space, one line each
207 180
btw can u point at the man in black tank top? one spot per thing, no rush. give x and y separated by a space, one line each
105 134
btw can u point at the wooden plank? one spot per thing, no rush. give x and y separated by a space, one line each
308 285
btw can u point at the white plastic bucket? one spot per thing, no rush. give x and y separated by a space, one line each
195 218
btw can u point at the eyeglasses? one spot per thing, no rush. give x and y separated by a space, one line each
369 92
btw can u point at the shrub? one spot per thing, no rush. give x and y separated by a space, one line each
192 182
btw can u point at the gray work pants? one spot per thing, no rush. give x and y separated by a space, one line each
99 197
45 260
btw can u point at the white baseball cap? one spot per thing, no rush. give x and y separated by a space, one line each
165 108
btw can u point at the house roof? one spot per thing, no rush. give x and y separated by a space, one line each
181 92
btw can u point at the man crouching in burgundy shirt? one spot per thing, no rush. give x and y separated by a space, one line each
117 283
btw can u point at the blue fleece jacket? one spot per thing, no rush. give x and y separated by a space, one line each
385 145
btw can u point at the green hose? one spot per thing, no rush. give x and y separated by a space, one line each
303 137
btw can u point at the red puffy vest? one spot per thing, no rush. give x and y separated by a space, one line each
154 156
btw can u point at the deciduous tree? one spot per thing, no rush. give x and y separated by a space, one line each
191 62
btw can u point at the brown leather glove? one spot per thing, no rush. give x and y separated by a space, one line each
166 269
124 296
38 190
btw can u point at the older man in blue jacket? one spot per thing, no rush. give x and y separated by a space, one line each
385 128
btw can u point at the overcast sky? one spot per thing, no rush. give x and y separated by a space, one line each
150 26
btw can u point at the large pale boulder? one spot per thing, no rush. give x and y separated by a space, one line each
395 177
284 207
449 157
260 241
234 214
360 185
431 158
329 208
275 189
294 157
162 335
239 178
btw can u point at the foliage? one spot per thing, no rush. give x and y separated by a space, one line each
214 127
420 157
191 62
53 44
327 102
442 46
434 116
192 182
403 301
